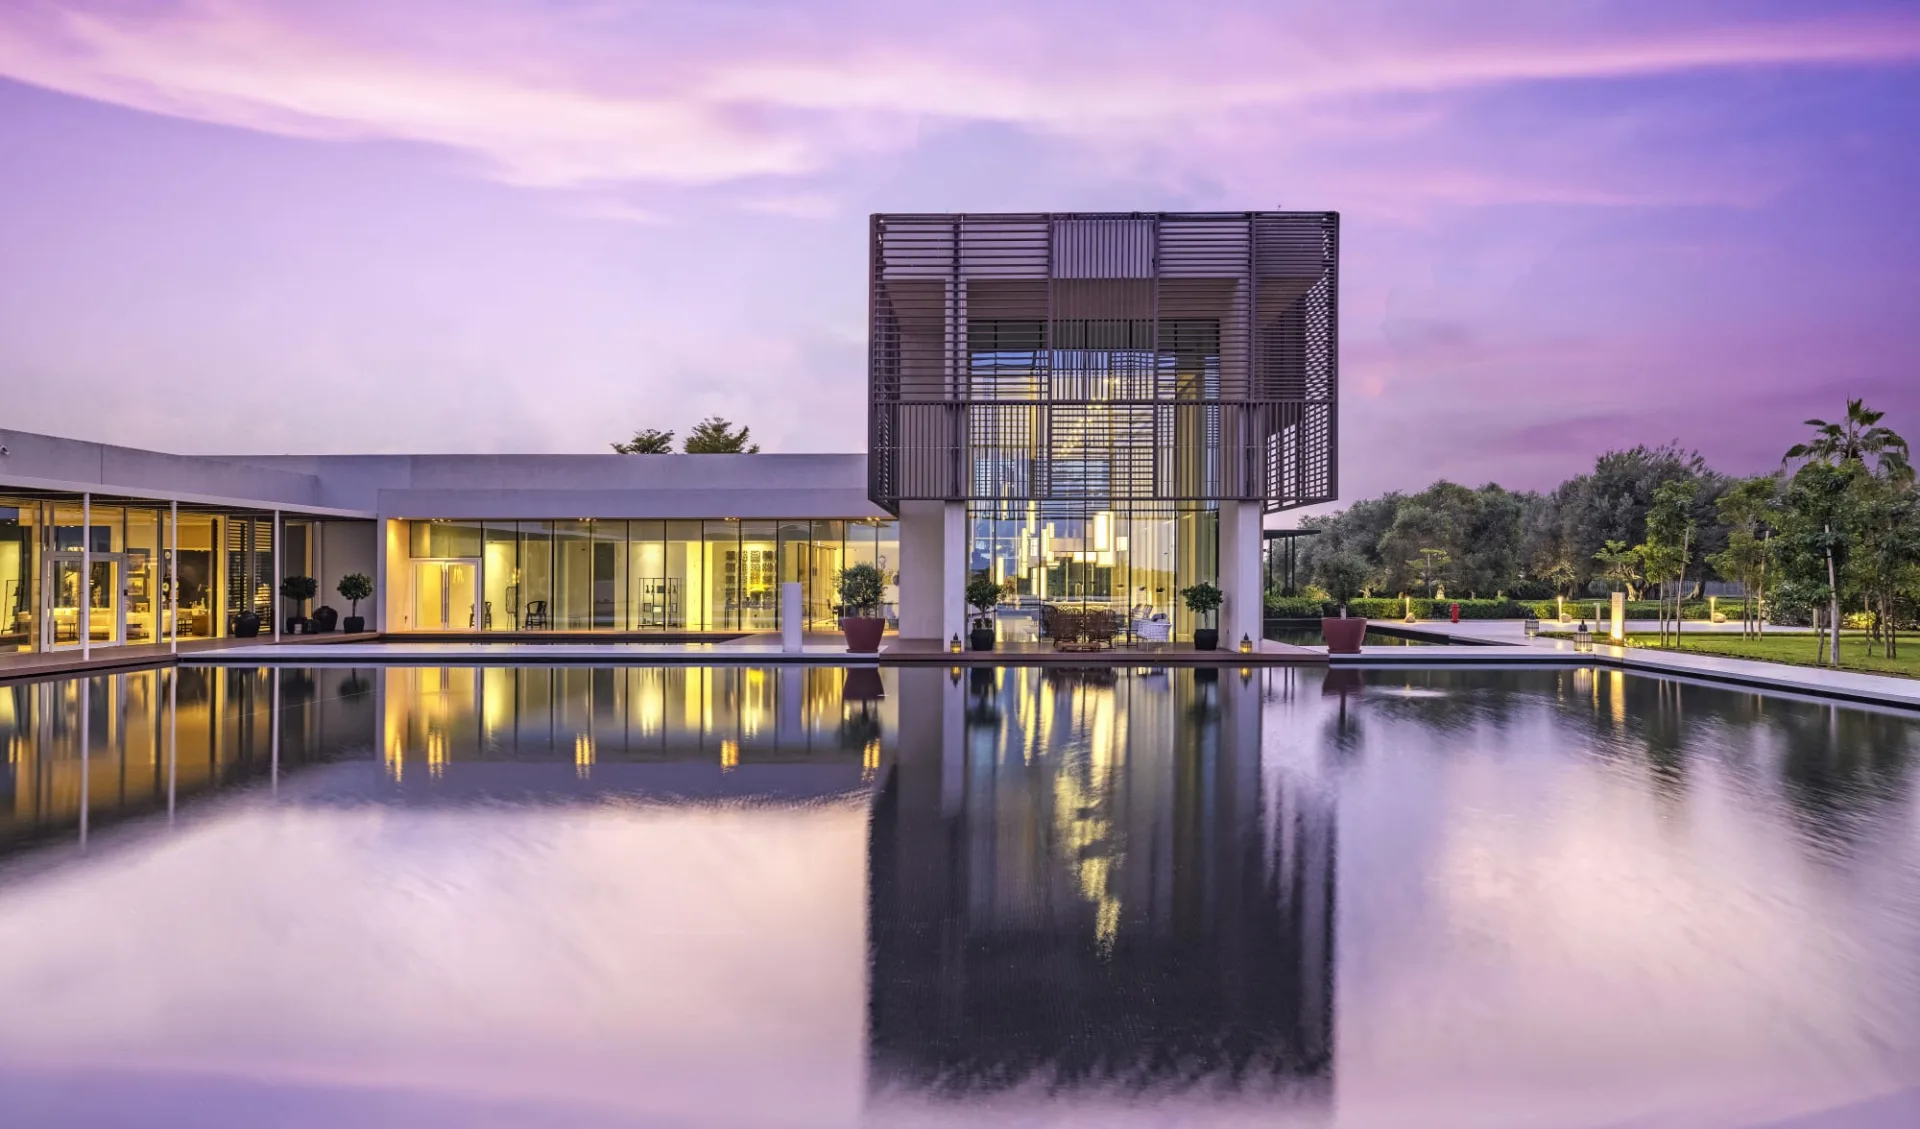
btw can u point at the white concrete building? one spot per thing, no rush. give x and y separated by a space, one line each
1093 410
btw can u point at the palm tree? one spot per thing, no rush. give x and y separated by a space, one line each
1855 439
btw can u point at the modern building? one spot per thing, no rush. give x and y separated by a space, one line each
1090 408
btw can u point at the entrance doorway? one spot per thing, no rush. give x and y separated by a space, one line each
444 596
106 622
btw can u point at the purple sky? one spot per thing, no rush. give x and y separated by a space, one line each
514 225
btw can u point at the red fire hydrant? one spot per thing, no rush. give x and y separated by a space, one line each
1453 611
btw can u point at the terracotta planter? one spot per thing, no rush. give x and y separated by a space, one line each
1343 635
863 633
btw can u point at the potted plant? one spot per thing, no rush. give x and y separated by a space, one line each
859 588
298 589
323 620
1344 576
354 587
982 594
1204 599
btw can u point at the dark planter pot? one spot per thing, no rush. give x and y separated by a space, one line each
1343 635
980 639
246 625
323 620
298 625
1206 639
353 623
863 633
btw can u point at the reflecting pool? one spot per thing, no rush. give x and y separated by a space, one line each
736 896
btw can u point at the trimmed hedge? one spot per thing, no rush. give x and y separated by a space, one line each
1300 607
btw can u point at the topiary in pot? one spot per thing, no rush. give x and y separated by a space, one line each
298 589
355 587
860 587
982 594
1204 599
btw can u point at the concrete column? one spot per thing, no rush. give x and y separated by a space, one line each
792 616
933 570
1240 573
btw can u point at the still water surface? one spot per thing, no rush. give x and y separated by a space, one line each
548 896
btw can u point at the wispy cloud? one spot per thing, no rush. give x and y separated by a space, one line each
564 95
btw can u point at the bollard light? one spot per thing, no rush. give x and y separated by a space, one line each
953 645
1246 645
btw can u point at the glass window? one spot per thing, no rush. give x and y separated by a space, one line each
609 575
500 577
653 601
759 593
795 550
536 576
19 590
723 575
887 558
687 576
827 558
145 610
202 576
572 575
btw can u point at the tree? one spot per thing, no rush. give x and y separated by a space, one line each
716 436
649 442
860 587
354 587
1344 576
1620 566
1667 551
1814 541
1429 566
1855 438
1748 509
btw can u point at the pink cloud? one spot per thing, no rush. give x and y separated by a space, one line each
571 97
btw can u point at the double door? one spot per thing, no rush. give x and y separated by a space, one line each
87 599
446 596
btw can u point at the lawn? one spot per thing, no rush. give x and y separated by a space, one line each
1799 649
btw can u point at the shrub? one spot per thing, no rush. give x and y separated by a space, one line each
1203 598
299 588
859 587
355 587
982 594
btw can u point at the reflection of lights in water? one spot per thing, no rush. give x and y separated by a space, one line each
1083 795
396 757
436 754
870 759
729 755
1618 692
583 754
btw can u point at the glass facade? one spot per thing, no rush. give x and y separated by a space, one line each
635 576
1133 560
122 551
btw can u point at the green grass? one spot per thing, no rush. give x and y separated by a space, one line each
1797 649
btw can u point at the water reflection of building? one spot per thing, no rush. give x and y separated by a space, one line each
154 738
1084 880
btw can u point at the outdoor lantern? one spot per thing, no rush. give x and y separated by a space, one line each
1246 645
953 645
1582 638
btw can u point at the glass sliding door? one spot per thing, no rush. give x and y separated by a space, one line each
500 577
759 595
654 600
686 574
19 576
609 575
444 595
572 575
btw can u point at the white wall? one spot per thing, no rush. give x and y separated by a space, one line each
342 547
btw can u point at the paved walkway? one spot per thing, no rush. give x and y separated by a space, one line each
104 658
